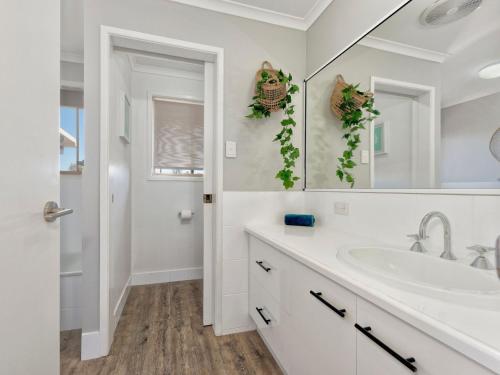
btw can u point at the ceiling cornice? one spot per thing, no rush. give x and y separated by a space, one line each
163 71
72 57
403 49
261 14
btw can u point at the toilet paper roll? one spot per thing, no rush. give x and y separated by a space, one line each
186 214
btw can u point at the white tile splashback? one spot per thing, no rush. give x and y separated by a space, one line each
390 217
385 217
241 208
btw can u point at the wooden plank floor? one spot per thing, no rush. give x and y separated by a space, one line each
160 332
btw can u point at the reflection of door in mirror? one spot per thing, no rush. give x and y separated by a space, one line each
402 139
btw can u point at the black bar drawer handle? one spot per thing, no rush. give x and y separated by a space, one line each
261 263
408 362
259 310
318 295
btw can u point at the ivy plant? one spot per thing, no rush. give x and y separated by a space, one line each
288 151
354 119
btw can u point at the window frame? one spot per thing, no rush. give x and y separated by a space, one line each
79 168
150 173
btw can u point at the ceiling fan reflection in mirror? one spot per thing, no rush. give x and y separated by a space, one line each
442 12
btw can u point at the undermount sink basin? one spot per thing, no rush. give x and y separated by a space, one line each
429 275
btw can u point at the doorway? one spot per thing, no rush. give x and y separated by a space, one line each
403 138
159 165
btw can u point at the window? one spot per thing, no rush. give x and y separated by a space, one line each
71 131
177 137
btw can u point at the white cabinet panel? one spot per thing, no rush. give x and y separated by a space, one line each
431 357
325 341
265 266
272 322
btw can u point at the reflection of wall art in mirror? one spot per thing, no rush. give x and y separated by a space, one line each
381 138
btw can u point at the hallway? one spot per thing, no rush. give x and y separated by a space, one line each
160 332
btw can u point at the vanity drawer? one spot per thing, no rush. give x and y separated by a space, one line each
266 266
430 356
324 314
272 322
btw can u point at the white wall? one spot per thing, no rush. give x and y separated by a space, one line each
71 73
163 247
341 24
71 253
466 132
246 44
71 231
119 185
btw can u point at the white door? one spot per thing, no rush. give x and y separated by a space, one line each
29 177
208 190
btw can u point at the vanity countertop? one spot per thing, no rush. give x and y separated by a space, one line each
472 331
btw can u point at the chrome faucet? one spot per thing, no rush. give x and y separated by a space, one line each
422 232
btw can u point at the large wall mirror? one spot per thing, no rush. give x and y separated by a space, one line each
433 72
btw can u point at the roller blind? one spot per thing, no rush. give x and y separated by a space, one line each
178 134
72 98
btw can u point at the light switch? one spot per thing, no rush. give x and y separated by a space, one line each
231 149
365 157
342 208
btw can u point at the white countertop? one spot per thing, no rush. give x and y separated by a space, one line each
471 331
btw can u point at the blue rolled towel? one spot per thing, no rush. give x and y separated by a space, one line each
302 220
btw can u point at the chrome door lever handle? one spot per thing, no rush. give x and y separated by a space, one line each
51 211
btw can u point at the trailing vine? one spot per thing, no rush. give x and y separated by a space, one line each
288 151
354 119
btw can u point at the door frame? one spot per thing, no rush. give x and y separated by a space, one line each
213 271
414 90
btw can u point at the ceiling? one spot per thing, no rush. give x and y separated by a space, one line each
72 30
296 14
466 46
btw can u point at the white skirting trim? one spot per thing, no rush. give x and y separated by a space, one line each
120 304
166 276
91 345
230 331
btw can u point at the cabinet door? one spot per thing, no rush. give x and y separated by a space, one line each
388 344
324 314
272 322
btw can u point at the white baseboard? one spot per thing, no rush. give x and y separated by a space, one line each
120 304
231 331
166 276
91 345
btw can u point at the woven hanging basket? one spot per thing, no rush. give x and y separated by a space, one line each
272 91
336 99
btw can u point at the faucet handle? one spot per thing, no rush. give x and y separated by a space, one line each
481 250
417 246
481 261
